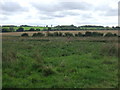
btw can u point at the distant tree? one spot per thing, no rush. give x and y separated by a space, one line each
31 29
117 28
20 29
11 29
37 29
44 29
113 27
49 28
25 26
107 27
5 30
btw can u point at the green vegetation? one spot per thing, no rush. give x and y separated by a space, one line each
38 35
13 28
6 29
24 35
68 34
59 62
110 35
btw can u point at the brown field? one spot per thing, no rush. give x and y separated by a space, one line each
82 31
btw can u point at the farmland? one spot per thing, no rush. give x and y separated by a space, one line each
59 62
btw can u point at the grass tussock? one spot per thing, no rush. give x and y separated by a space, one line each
110 50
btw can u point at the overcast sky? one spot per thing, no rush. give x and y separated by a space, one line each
59 12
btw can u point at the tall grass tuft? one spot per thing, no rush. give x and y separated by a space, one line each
109 50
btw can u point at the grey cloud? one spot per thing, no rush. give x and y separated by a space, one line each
106 10
70 13
87 16
46 7
11 7
61 9
88 22
3 18
45 17
112 12
59 14
65 13
75 5
61 6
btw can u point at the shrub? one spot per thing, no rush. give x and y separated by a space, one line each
115 34
68 34
55 34
109 34
80 34
50 34
76 35
24 35
38 35
95 34
88 33
60 34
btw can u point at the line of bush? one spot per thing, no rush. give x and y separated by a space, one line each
68 34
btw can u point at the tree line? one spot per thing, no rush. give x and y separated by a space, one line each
57 28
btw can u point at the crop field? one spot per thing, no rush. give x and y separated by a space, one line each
59 62
82 31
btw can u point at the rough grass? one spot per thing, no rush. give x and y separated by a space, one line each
59 63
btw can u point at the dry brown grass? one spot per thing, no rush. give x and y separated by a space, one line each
82 31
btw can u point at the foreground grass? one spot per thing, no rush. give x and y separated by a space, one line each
59 63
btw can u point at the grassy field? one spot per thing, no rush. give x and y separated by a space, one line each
74 32
59 62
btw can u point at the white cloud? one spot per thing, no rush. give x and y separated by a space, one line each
59 12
